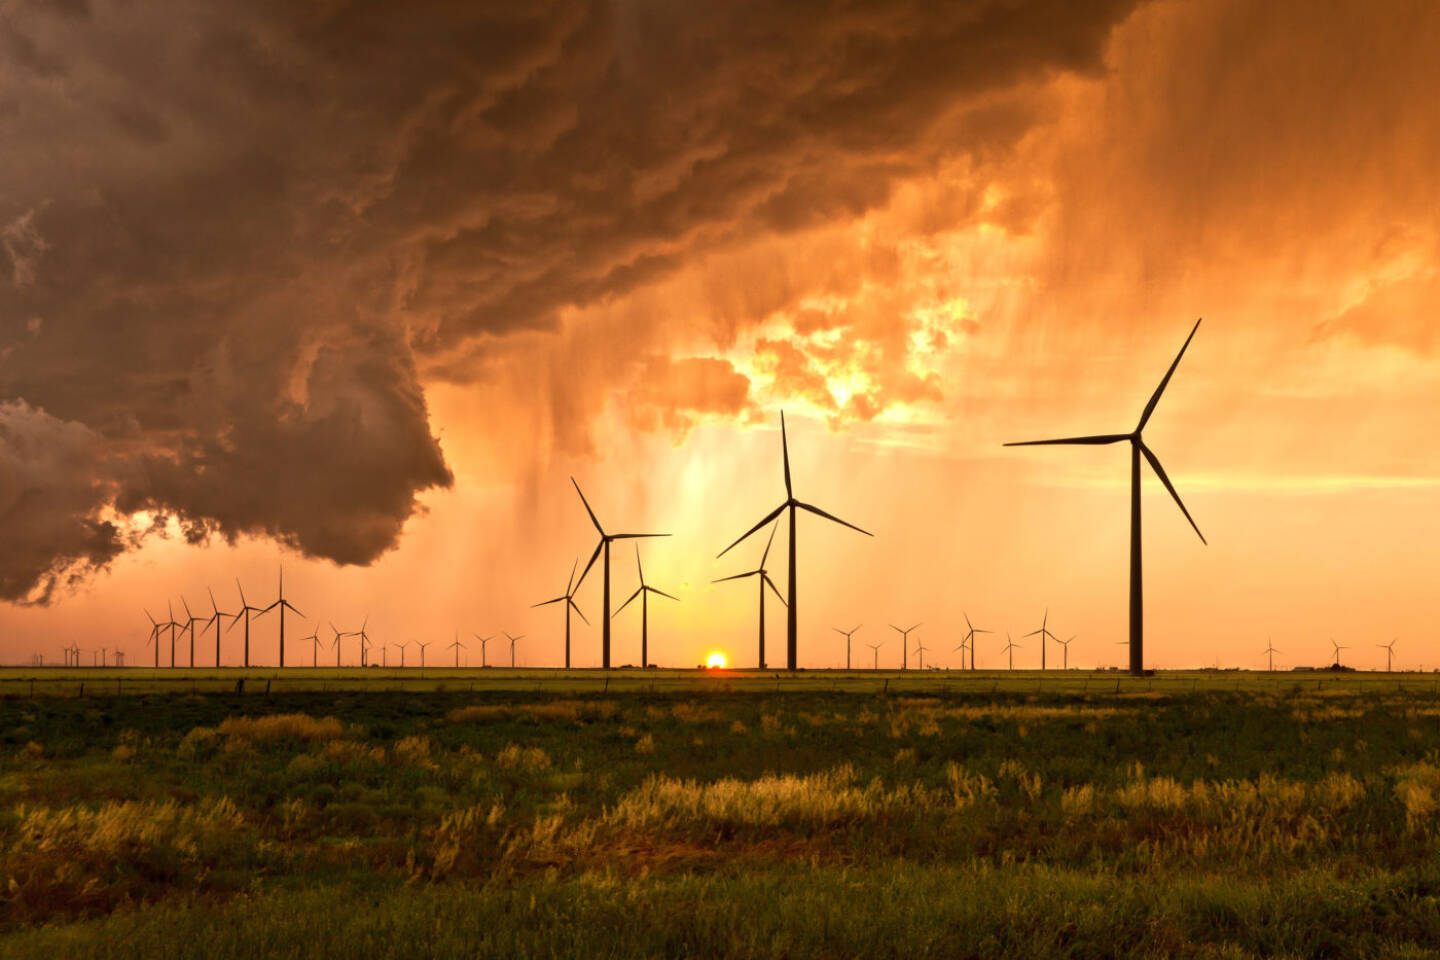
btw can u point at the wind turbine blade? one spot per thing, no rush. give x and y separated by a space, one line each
766 555
662 593
639 570
1155 397
570 584
1030 634
546 603
785 452
831 516
1160 472
626 603
593 557
1096 440
776 590
587 508
768 517
738 576
294 609
635 536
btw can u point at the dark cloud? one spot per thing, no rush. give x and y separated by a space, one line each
239 236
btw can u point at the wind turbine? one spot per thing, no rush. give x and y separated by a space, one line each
792 618
643 592
567 598
244 615
875 647
847 634
1010 647
604 545
920 649
190 621
970 638
763 581
155 627
215 617
458 647
283 605
1389 649
484 641
364 639
904 644
1043 632
314 639
173 625
422 644
1338 648
335 645
1138 449
512 647
1065 645
402 647
1271 651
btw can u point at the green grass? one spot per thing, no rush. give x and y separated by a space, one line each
724 815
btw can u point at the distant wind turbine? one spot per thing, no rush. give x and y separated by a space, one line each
512 646
1010 647
567 598
793 505
1338 648
1042 633
282 605
643 592
314 639
1138 449
244 616
190 621
847 634
763 581
604 546
875 648
155 627
484 641
216 616
1065 645
422 644
1270 651
335 643
920 649
904 643
458 647
1389 649
970 632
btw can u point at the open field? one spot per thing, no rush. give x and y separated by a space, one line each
731 814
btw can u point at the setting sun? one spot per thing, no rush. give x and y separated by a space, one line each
716 661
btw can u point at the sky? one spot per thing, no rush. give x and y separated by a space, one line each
358 288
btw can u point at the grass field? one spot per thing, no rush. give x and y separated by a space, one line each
536 813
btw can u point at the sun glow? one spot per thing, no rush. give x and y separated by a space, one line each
716 661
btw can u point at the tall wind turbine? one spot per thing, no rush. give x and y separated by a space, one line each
904 643
174 625
484 641
970 632
282 604
216 616
155 627
792 618
190 621
1042 633
1389 649
244 616
1065 645
458 647
512 647
314 639
643 592
1338 648
335 645
875 648
763 581
1270 651
847 634
1138 449
567 598
422 644
604 546
920 649
1010 647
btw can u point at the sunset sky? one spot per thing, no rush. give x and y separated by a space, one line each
360 286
